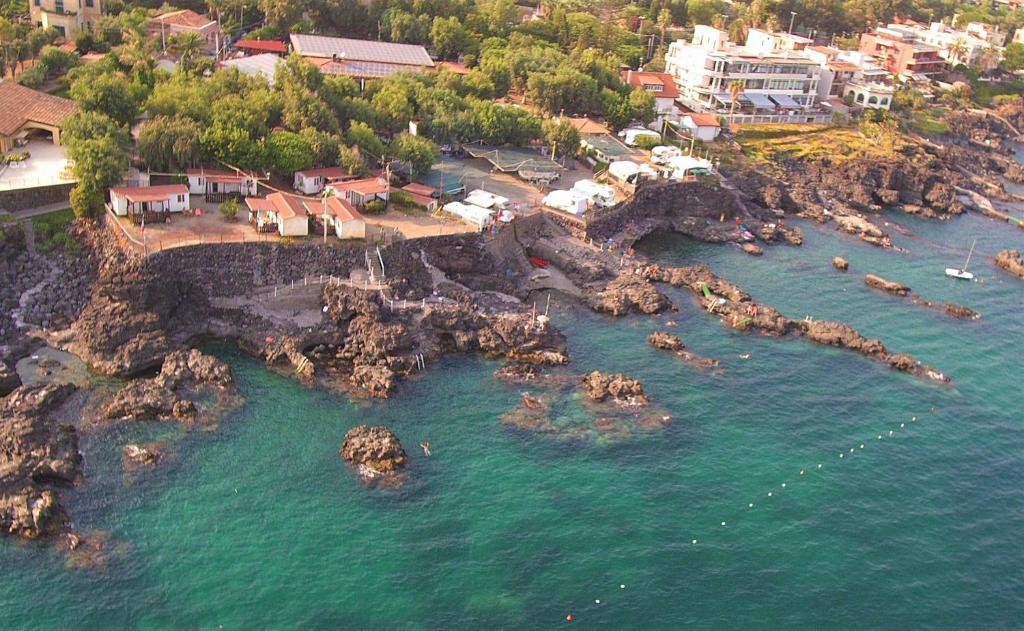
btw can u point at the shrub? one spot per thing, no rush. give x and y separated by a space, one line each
33 77
402 199
229 209
647 142
86 201
376 207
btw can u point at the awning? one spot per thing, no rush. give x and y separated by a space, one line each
760 101
724 97
784 100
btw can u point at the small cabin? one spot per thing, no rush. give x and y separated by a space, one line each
152 203
312 181
359 193
280 213
218 185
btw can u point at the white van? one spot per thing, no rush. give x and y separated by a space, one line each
632 135
663 153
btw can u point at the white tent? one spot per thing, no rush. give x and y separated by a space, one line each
600 194
483 199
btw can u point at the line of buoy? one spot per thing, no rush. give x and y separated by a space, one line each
750 505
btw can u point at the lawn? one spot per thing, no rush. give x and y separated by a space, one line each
51 232
928 121
772 144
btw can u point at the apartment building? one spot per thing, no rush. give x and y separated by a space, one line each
68 17
770 75
898 48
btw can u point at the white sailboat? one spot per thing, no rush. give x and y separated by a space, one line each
962 272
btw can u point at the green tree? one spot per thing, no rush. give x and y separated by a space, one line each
288 152
642 105
99 162
323 145
186 46
86 201
1013 57
229 209
350 160
106 93
449 37
419 152
562 135
362 136
170 143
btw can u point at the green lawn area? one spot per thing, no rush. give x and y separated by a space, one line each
772 144
51 232
984 92
928 121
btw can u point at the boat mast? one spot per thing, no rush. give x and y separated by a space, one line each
968 261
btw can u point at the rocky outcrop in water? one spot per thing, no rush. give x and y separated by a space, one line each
840 264
629 293
38 456
140 455
1011 261
375 452
752 249
601 386
736 308
668 342
164 396
889 286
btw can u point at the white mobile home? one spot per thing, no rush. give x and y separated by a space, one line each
152 202
217 184
312 181
279 212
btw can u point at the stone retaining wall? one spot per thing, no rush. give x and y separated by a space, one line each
692 199
25 198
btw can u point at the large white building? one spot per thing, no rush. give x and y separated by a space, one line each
978 45
777 82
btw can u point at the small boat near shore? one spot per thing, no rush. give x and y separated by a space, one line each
962 272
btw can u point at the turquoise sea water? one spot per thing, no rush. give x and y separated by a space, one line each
260 525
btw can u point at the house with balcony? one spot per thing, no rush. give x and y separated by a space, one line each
152 204
68 17
218 185
898 50
770 85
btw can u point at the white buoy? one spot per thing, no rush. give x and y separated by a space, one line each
769 493
597 601
890 432
862 445
694 541
851 450
902 425
913 418
819 465
840 455
783 485
751 505
723 523
879 437
622 587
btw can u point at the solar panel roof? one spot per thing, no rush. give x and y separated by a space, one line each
360 50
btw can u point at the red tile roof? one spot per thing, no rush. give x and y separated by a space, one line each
22 105
219 175
265 45
185 17
342 209
150 193
368 186
325 172
703 120
420 189
588 126
639 79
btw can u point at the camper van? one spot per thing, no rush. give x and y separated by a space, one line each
632 135
681 167
568 201
630 172
600 194
663 153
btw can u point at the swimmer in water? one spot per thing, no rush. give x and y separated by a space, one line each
426 448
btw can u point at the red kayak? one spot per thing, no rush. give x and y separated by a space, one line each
539 262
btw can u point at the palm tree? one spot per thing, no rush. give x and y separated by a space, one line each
957 52
664 21
735 88
186 45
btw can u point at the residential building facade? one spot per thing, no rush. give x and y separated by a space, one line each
661 85
899 51
186 21
777 84
69 17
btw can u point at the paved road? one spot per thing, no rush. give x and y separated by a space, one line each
42 210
